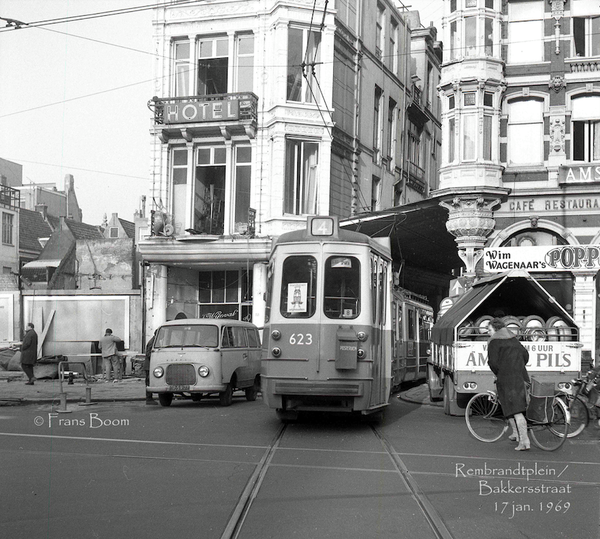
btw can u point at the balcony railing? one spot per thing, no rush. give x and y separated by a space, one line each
204 109
9 197
584 65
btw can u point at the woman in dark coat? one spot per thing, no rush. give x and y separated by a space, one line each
29 352
507 358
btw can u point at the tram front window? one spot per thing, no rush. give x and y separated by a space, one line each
342 287
298 287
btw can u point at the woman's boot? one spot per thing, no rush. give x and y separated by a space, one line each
514 435
524 443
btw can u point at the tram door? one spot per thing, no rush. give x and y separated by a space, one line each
380 300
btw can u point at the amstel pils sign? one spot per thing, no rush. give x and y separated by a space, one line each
542 258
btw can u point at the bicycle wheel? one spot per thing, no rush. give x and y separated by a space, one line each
580 416
550 436
484 418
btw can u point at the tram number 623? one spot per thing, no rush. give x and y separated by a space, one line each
301 338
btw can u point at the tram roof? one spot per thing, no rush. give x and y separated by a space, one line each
341 235
417 233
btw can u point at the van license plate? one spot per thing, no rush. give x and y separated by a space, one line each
179 388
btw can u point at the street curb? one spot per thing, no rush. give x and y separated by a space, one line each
414 400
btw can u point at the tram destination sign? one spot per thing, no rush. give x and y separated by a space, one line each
547 258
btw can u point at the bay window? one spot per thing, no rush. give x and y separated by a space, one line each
301 178
301 85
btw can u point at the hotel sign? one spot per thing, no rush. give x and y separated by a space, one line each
579 174
182 112
547 258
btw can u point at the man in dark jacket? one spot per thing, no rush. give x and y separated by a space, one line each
507 358
29 353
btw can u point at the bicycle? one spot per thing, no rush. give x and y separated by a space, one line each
487 423
577 398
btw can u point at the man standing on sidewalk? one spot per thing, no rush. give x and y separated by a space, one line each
108 346
29 353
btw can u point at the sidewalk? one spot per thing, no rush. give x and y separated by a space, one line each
14 391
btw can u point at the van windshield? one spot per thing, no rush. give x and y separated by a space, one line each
187 335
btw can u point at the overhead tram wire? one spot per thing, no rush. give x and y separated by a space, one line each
18 25
312 64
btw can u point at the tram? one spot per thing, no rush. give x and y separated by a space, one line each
334 323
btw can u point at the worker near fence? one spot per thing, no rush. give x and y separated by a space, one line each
507 358
29 353
110 358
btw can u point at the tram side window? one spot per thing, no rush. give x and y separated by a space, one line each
424 328
342 287
412 325
298 287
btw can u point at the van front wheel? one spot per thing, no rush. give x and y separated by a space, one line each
226 397
165 399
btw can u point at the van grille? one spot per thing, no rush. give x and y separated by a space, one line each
181 375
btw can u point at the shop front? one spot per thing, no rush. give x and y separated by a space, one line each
195 277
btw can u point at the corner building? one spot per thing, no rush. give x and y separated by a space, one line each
520 89
265 112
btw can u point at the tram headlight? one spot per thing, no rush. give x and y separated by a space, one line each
276 352
564 386
276 334
203 371
158 372
470 385
360 353
361 336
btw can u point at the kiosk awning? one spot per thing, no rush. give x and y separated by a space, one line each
515 292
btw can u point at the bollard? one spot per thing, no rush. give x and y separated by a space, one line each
88 397
63 404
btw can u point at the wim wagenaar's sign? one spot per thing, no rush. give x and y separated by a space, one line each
548 258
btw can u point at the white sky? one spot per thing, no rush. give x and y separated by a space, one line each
429 10
49 121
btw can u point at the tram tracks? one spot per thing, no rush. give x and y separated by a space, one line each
242 509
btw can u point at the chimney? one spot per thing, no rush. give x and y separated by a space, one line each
43 209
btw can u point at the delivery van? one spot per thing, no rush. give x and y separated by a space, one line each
200 357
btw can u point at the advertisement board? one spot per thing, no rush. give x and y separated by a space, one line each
543 356
542 258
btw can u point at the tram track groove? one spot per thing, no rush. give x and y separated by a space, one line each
433 518
236 521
